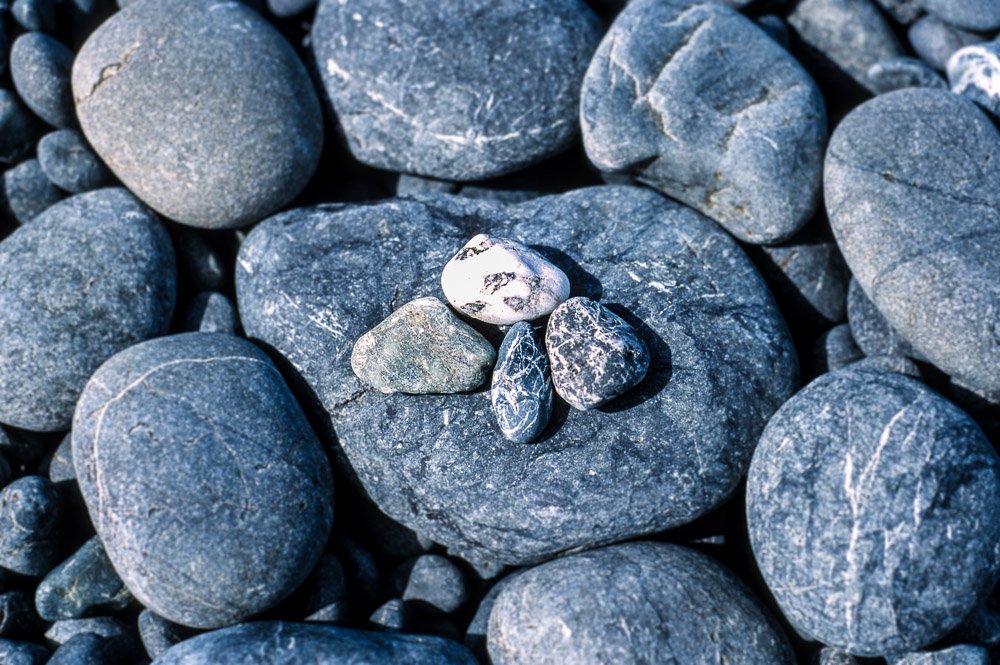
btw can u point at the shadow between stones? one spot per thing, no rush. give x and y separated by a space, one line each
660 365
581 282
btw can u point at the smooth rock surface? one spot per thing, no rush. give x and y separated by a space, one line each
29 526
61 464
40 67
904 12
459 89
897 73
35 15
962 654
309 282
86 583
872 507
392 616
158 634
69 162
201 108
872 333
834 349
437 582
85 649
28 192
931 270
202 476
211 312
695 100
974 71
968 14
521 392
17 128
91 276
935 41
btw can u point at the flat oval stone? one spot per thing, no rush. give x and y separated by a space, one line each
632 604
40 67
695 100
70 163
914 202
935 41
873 506
902 72
521 393
968 14
456 89
312 644
422 348
309 282
974 71
202 477
89 277
201 108
86 583
28 192
498 280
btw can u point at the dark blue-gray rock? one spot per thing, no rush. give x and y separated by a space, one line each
246 148
873 507
28 192
935 41
898 364
873 334
309 282
695 100
122 636
828 656
903 12
18 618
40 67
85 649
293 643
852 34
595 355
287 8
962 654
61 464
211 312
897 73
967 14
436 582
35 15
29 526
22 653
392 616
776 28
414 184
84 584
17 128
475 634
834 349
454 90
70 163
89 277
327 599
202 476
631 604
158 634
931 269
974 71
521 392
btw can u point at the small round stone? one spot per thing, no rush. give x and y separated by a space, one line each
968 14
873 334
211 312
897 73
40 67
17 128
974 71
121 634
70 163
326 599
28 192
61 464
35 15
498 280
29 526
521 393
84 584
834 349
85 649
393 616
935 41
437 582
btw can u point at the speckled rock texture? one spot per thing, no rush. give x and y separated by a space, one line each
309 282
521 390
974 71
210 311
904 12
631 604
40 67
392 616
962 654
70 163
873 506
897 73
695 100
873 334
14 652
968 14
89 277
435 581
935 41
931 270
86 583
203 479
456 89
157 634
300 643
834 349
29 526
28 192
201 108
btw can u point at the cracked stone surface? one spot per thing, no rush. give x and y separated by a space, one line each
633 604
90 276
40 67
695 100
521 391
454 89
847 516
915 206
974 71
201 108
311 281
202 476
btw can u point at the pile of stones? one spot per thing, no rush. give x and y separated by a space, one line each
499 332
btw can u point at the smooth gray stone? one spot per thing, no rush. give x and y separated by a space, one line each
40 67
897 73
122 636
245 149
962 654
834 349
17 128
29 526
85 649
90 276
61 464
521 391
202 477
28 192
695 100
22 653
70 163
828 656
632 604
776 29
309 282
898 364
873 334
437 582
931 271
158 634
413 184
851 33
935 41
873 507
974 71
312 644
475 634
967 14
288 8
86 583
17 615
393 616
456 89
35 15
595 354
211 312
903 12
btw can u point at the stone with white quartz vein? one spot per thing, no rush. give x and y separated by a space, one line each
974 71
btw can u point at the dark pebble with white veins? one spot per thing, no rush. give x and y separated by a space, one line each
522 385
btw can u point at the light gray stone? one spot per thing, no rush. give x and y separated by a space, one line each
974 71
968 14
935 41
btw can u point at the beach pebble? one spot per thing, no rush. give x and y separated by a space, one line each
40 67
22 653
29 526
35 15
873 334
28 192
521 393
967 14
828 656
436 582
903 12
454 90
698 102
974 71
61 464
962 654
326 596
872 507
202 477
86 649
935 41
288 8
69 162
122 636
834 349
896 73
392 616
898 364
211 312
498 280
17 128
158 634
218 160
776 28
84 584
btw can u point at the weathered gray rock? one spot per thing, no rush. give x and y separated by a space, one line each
120 635
454 90
13 652
85 649
69 162
903 12
61 464
158 634
962 654
872 507
40 67
931 270
89 277
29 526
437 582
392 616
17 128
968 14
28 192
86 583
694 99
35 15
874 335
246 145
630 604
18 618
203 479
521 392
211 312
898 364
422 347
974 71
294 643
897 73
935 41
834 349
310 282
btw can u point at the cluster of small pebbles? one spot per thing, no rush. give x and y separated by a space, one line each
499 332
